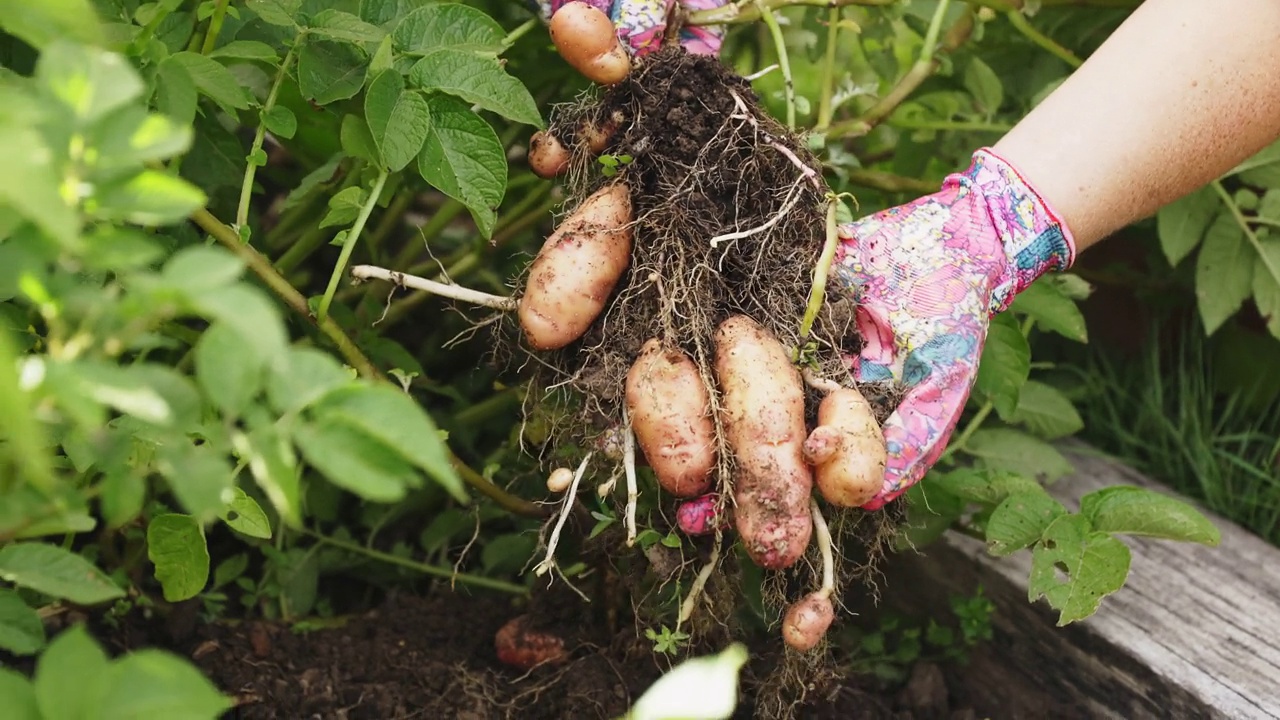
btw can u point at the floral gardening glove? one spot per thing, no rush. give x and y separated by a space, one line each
643 23
928 276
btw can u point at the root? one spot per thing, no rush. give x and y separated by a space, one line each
695 590
550 561
792 199
823 536
449 290
629 466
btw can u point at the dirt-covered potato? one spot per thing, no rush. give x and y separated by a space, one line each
586 38
764 424
700 515
807 621
523 648
577 269
670 411
847 449
547 155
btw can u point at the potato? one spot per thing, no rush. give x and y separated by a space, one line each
577 269
807 621
547 155
698 516
599 135
847 449
586 38
670 411
559 480
523 648
764 424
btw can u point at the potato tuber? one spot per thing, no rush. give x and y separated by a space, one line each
587 39
547 155
559 480
807 621
523 648
670 411
764 424
846 449
699 515
577 269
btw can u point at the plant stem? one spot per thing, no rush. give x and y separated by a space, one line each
449 290
350 244
1249 234
215 26
394 212
310 241
888 182
784 62
961 125
262 267
828 71
935 29
251 168
434 570
959 441
819 290
429 230
519 31
745 11
1020 22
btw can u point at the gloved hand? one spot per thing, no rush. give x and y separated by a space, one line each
642 24
928 276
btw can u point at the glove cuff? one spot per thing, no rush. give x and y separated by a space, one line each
1035 238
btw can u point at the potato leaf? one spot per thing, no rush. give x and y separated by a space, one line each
398 119
176 546
53 571
1224 272
1182 223
447 25
1005 364
463 158
478 80
1074 567
1137 511
21 629
1020 521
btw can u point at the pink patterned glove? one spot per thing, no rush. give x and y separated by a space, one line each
642 23
928 276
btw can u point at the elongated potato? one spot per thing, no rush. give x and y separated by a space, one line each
587 39
763 416
807 621
577 269
670 411
846 449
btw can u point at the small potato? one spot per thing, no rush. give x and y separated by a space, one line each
547 156
523 648
698 516
559 480
577 269
599 135
763 417
670 411
807 621
847 449
586 38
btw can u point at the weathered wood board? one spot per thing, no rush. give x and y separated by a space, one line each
1195 632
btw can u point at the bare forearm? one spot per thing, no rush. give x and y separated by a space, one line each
1182 92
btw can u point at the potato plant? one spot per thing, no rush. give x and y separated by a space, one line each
198 404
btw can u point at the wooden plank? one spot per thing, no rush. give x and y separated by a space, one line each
1195 632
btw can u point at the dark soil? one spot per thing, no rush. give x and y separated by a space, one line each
434 657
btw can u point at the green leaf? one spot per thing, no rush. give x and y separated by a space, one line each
983 83
214 81
383 12
353 460
150 683
21 630
1137 511
447 25
1005 365
357 140
123 494
398 120
88 81
463 158
132 136
1266 286
56 572
197 268
304 376
75 657
229 569
1224 271
1263 168
229 370
1094 564
33 193
478 80
339 25
1046 301
1269 206
41 23
931 510
250 311
246 50
394 419
1018 452
176 546
1046 411
1182 223
244 515
344 207
275 12
18 696
1020 520
280 121
330 70
985 487
274 466
175 91
198 476
151 197
507 553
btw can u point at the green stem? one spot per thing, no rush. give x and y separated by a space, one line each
434 570
825 110
961 125
888 182
350 244
819 290
746 11
395 210
428 232
784 62
251 168
215 26
520 31
959 441
935 29
1020 22
1249 234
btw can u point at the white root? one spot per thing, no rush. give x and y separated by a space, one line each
760 73
695 589
823 535
805 170
822 385
793 197
449 290
629 464
550 560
